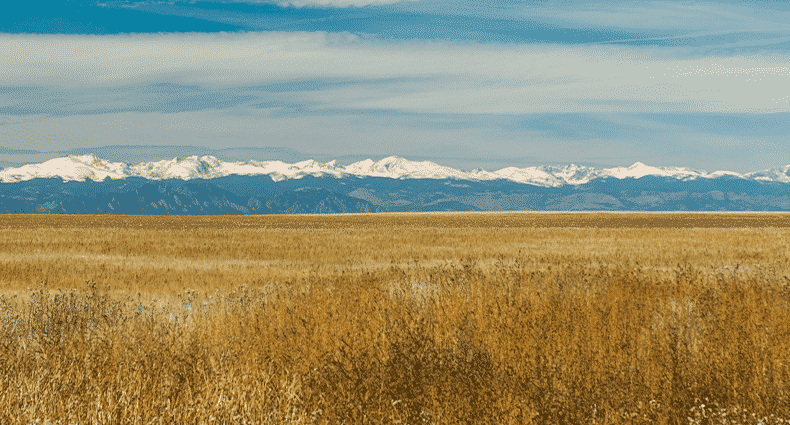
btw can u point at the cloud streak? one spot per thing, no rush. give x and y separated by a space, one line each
336 3
690 84
395 75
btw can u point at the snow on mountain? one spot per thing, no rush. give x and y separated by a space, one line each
684 173
553 176
191 167
532 175
717 174
636 171
400 168
279 170
571 174
82 167
69 168
773 174
207 167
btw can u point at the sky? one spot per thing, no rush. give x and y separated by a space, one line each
468 83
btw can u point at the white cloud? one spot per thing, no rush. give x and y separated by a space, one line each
336 3
427 76
662 15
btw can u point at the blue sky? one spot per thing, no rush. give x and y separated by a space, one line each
698 84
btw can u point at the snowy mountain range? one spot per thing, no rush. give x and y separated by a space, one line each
88 184
82 167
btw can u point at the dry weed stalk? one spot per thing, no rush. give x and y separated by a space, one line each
376 322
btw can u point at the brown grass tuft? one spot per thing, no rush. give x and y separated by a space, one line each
381 320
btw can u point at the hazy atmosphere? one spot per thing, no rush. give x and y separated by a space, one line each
464 83
442 212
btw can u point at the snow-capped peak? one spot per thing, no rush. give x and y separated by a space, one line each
82 167
191 167
781 175
71 168
637 170
400 168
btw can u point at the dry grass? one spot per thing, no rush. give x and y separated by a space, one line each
395 318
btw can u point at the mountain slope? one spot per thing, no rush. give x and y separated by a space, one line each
91 167
329 194
205 185
169 197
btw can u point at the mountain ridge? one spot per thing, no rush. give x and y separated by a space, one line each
87 184
261 194
92 167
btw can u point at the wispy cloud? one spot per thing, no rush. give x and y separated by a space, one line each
347 71
336 3
698 84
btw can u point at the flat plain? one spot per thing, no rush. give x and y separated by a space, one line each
396 318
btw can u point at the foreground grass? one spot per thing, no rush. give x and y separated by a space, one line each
531 326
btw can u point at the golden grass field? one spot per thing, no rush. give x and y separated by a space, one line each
459 318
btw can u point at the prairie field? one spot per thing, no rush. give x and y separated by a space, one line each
446 318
